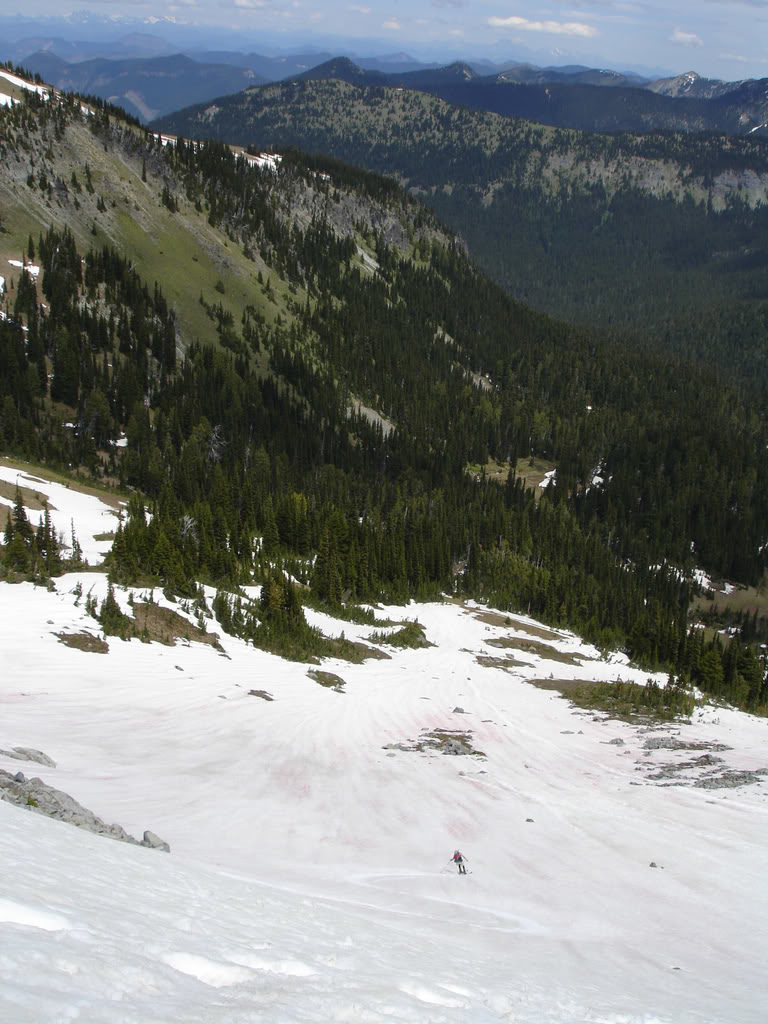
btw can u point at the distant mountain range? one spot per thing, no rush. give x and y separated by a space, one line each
576 97
146 88
151 84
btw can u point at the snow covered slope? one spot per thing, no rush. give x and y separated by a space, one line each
89 514
310 834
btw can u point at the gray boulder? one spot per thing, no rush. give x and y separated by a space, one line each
155 842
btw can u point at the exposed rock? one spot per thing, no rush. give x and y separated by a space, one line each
459 711
328 679
671 771
616 742
444 741
671 743
155 842
732 779
36 795
29 754
264 694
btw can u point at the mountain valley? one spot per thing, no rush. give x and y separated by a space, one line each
626 232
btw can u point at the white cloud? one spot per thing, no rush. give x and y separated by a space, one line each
557 28
393 25
686 38
360 10
736 57
456 32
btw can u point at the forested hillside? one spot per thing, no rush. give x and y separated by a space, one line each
310 373
589 100
656 234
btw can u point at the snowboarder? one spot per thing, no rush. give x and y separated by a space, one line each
458 860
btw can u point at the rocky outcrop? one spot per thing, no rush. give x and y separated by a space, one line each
154 842
672 743
36 795
29 754
732 779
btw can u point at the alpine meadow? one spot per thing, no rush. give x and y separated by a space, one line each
379 470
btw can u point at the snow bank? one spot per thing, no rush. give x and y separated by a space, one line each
41 90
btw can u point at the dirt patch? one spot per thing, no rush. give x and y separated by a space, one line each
166 626
508 663
499 619
533 472
492 470
355 652
538 648
34 501
84 642
327 679
564 686
741 599
632 702
411 635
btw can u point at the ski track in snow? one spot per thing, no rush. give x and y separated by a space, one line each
308 878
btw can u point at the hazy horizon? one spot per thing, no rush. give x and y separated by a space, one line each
715 39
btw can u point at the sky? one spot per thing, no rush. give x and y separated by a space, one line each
717 38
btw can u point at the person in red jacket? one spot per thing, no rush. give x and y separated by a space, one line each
458 860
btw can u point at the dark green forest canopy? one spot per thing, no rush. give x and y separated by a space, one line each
249 448
662 236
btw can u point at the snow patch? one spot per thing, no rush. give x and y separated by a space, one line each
549 478
41 90
270 161
12 912
291 968
30 268
210 972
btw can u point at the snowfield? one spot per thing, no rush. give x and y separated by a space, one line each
310 833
